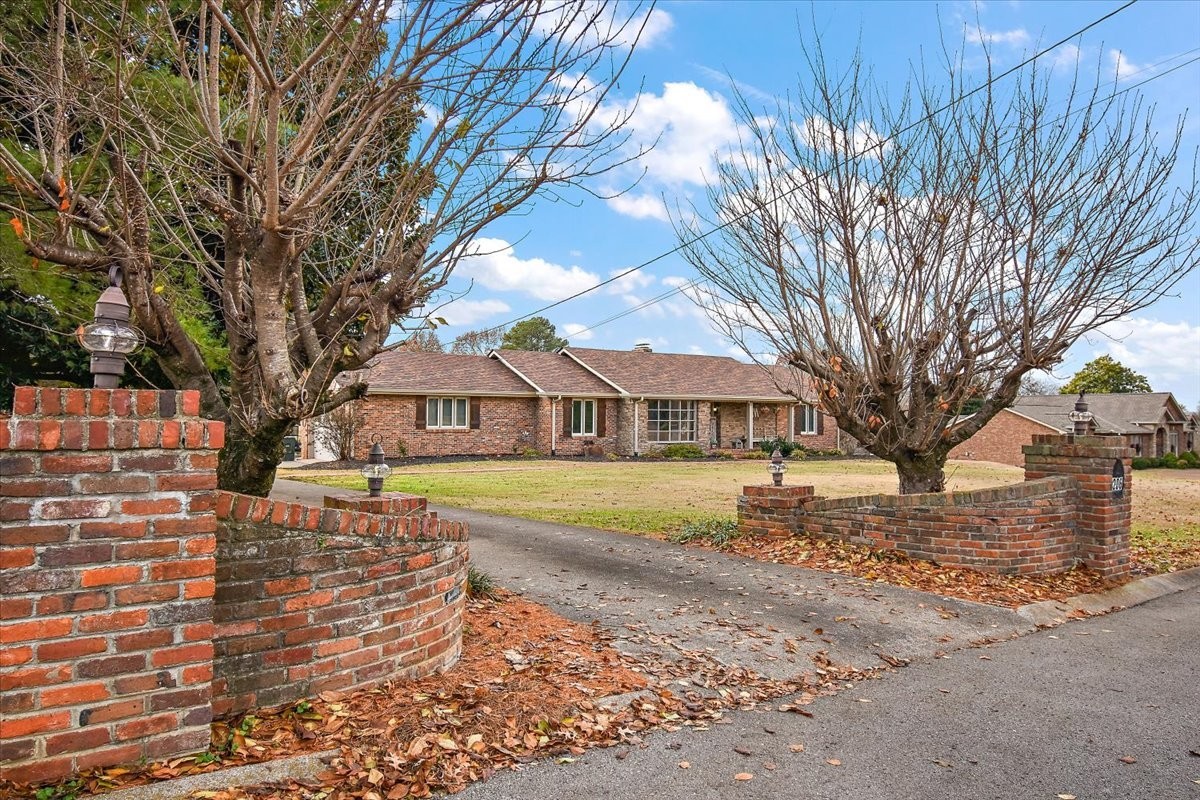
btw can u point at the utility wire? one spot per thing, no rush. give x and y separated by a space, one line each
697 281
848 160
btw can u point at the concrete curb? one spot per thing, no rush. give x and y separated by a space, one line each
296 767
1134 593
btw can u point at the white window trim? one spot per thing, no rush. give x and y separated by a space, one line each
439 400
583 432
803 416
692 406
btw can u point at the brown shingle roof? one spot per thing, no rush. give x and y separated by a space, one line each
398 372
1113 413
555 373
684 376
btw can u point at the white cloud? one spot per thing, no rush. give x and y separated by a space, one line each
1123 68
979 35
1167 353
1066 57
577 332
639 206
630 282
468 312
821 134
683 128
594 21
494 264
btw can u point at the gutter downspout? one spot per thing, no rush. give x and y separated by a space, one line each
635 425
554 424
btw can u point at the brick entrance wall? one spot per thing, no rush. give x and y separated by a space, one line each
106 544
1064 513
110 530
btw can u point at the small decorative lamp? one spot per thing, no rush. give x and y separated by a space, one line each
375 470
777 467
1080 416
109 337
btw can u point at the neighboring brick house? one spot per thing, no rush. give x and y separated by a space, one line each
578 401
1152 423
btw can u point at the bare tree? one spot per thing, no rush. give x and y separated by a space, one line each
289 177
339 429
424 340
479 343
920 253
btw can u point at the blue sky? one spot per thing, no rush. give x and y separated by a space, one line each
683 68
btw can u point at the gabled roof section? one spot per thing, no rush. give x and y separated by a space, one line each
674 375
399 372
555 373
1113 413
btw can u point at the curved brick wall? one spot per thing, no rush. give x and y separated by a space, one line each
311 599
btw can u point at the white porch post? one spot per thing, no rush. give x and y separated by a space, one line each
553 426
791 431
750 425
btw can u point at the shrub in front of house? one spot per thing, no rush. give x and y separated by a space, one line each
784 447
682 450
715 531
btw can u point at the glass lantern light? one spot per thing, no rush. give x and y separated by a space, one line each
777 467
109 337
375 470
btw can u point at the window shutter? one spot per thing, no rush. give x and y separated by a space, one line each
820 421
568 411
421 403
599 418
475 404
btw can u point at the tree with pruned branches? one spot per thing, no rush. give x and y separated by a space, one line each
919 254
287 179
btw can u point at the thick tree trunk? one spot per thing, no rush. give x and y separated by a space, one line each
921 476
248 460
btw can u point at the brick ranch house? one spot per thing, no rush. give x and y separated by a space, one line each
1153 424
582 401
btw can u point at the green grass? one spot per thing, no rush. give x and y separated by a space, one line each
659 497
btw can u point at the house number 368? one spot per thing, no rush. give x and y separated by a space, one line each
1118 479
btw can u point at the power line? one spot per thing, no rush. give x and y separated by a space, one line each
847 161
697 281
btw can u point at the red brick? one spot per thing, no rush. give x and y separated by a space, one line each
174 570
183 526
75 509
144 640
188 481
187 654
115 621
108 576
34 487
15 535
108 756
74 695
308 600
148 726
44 770
200 673
201 545
36 629
146 593
193 590
115 483
76 463
71 649
160 506
105 530
24 401
12 727
77 741
71 602
287 585
13 558
13 656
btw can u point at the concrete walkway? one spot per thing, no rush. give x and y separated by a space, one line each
662 599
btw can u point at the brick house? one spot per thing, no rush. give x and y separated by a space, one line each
581 401
1153 424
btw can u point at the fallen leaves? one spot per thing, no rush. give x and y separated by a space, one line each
744 776
900 570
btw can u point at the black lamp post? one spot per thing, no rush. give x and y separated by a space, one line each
777 467
1080 416
109 337
375 470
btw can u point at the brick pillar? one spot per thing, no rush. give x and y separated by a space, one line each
543 423
1101 520
106 545
771 510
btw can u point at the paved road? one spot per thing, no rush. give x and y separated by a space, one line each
1049 713
668 599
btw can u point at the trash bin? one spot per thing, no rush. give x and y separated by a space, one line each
291 446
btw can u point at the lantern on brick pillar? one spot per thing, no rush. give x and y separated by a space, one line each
109 337
1081 417
375 470
777 467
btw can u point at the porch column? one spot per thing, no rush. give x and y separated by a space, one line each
791 423
750 425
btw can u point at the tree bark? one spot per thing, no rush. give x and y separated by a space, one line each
248 461
921 475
